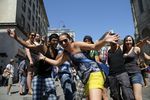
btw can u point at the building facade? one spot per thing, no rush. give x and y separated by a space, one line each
141 17
24 16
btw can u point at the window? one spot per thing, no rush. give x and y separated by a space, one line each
24 1
28 27
39 20
36 15
36 27
33 21
30 1
22 24
39 11
140 6
29 14
33 8
37 3
24 6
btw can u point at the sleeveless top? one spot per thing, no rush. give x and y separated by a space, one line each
116 62
43 68
131 63
83 68
33 54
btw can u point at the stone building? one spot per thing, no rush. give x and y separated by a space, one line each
141 17
24 16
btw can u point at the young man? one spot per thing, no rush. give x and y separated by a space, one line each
118 77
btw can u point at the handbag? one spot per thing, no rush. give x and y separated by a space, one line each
6 74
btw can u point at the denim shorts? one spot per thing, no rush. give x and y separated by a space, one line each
136 78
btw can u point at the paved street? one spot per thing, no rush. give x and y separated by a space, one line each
16 96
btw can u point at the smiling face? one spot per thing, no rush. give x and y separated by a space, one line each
64 41
129 42
54 42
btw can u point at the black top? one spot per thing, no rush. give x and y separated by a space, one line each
131 63
116 62
43 68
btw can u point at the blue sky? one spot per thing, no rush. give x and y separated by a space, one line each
91 17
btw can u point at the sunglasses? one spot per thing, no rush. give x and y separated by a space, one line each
65 40
33 35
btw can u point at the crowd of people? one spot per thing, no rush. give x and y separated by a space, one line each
82 67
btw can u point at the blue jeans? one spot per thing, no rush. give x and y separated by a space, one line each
122 82
136 78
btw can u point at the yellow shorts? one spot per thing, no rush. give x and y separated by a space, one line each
95 81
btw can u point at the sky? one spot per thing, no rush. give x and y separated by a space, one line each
91 17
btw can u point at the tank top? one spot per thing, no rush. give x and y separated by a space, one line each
83 68
43 68
131 63
116 62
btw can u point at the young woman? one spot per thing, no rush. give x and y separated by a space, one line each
131 54
89 72
93 55
30 59
119 83
42 81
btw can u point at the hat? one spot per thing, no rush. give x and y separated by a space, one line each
12 60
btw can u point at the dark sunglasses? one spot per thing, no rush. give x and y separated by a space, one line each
65 40
33 35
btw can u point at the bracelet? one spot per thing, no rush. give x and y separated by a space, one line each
44 58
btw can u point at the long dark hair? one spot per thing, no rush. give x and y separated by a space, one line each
124 46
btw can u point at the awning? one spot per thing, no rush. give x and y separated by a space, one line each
2 54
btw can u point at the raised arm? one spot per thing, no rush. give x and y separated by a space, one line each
96 46
142 42
146 56
19 40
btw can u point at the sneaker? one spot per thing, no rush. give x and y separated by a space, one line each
9 93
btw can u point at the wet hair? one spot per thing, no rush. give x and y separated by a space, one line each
88 37
66 34
53 36
124 46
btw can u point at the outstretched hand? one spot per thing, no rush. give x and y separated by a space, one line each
111 37
40 56
11 33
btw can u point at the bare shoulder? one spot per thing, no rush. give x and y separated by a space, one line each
137 49
27 41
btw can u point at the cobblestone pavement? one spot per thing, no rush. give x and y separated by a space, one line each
16 96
